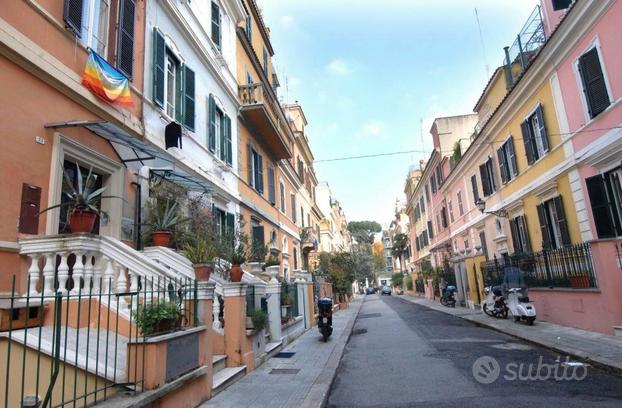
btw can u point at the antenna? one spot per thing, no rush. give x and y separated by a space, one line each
481 38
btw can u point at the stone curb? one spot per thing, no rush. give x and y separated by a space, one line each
318 394
595 360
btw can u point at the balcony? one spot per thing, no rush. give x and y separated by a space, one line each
308 239
263 114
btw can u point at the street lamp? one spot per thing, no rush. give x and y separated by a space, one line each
481 206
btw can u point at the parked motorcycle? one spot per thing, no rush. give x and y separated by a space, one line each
520 306
325 317
494 304
449 296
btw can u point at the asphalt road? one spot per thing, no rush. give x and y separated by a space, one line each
406 355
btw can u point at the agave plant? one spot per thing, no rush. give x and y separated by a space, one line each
165 218
82 197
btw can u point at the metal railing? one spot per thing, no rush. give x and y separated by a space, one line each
526 45
250 299
289 299
568 267
72 347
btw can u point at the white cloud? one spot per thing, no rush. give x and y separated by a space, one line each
287 21
338 67
373 128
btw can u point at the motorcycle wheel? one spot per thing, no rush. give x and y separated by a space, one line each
443 301
487 311
504 314
325 337
516 319
530 320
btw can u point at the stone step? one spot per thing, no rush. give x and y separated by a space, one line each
226 377
218 362
273 348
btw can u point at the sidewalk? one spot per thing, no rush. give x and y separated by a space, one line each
308 374
600 349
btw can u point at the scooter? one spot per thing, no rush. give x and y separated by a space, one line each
494 304
449 298
325 317
520 306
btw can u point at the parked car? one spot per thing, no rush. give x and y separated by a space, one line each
386 291
370 291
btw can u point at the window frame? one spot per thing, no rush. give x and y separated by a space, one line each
216 24
594 44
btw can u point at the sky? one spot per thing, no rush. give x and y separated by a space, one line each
371 77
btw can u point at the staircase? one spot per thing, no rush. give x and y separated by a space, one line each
225 376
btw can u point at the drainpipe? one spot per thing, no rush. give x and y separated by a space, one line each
137 220
508 69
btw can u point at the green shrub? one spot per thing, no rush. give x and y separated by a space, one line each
149 315
409 282
259 318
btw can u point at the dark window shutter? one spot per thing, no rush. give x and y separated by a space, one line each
271 185
485 181
188 111
216 35
545 138
601 207
230 223
561 4
512 156
29 211
594 85
524 233
249 164
544 227
293 199
526 131
502 164
430 230
72 14
228 143
515 238
561 220
258 236
474 187
491 174
223 139
212 124
125 47
159 53
482 241
259 174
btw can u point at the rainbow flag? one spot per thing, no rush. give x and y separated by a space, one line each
105 81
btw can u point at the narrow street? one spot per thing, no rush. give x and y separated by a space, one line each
401 354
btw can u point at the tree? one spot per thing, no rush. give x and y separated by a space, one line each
363 231
400 244
397 279
341 272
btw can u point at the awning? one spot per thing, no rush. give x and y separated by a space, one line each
132 149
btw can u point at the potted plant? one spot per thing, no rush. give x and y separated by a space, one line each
286 302
201 253
258 319
162 221
155 318
237 257
83 201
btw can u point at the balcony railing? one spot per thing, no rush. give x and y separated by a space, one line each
568 267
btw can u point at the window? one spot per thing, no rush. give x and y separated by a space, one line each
474 188
257 234
89 21
301 169
520 237
271 185
282 191
482 242
534 136
302 216
561 4
292 198
460 207
255 169
553 224
427 194
249 28
125 42
507 161
433 184
486 171
451 211
173 83
422 205
295 252
466 244
593 81
265 61
219 138
444 217
605 192
439 175
225 223
249 78
430 230
216 31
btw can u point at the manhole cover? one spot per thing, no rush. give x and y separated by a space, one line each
368 315
284 371
512 346
284 354
359 331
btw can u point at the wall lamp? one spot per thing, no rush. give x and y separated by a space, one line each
481 206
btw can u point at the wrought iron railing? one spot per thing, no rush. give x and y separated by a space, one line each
289 300
568 267
72 347
526 45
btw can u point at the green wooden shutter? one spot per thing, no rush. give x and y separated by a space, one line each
502 164
259 173
72 14
188 98
211 124
228 144
474 188
523 231
601 207
485 181
223 139
594 85
515 239
216 31
271 185
159 54
527 140
249 164
512 156
430 230
293 199
230 223
544 227
560 215
543 134
125 44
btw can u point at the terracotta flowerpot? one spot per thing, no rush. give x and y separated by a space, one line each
161 238
82 220
202 272
235 273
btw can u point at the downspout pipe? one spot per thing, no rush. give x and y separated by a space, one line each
508 69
